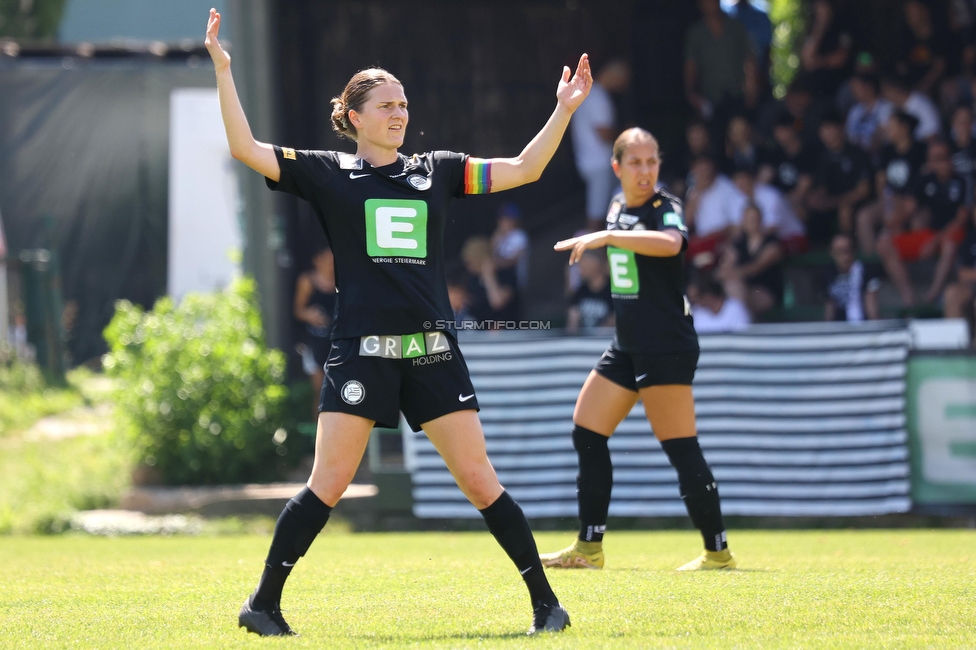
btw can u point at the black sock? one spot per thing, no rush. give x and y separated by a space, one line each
593 483
302 519
507 523
698 489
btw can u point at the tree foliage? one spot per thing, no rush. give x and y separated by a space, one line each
30 19
788 18
201 395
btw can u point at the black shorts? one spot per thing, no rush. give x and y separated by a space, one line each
633 370
369 377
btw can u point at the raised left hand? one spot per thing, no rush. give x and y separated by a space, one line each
571 92
581 244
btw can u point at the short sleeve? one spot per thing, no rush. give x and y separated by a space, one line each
671 216
302 171
449 166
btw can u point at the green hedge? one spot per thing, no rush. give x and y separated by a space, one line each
201 396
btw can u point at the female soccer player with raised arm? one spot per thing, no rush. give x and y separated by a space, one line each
393 343
652 358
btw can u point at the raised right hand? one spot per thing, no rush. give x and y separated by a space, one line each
220 58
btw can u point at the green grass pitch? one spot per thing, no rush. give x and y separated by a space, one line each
814 589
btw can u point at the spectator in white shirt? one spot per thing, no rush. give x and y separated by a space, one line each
778 216
869 114
901 96
713 311
711 201
709 211
593 131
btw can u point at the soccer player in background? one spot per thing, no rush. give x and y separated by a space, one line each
384 214
652 358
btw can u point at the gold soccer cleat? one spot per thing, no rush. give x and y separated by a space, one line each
710 561
581 555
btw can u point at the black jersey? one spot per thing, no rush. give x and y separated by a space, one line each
652 312
385 226
839 172
901 169
942 198
789 168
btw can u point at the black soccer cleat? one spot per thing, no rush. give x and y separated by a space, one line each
263 623
549 618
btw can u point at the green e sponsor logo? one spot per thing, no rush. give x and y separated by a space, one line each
396 227
623 271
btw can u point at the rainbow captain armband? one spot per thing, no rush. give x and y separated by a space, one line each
477 176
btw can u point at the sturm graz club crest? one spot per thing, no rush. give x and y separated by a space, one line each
353 392
419 182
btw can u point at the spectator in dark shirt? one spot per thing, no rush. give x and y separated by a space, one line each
720 68
676 170
964 148
897 168
850 287
741 151
789 165
936 226
841 185
758 25
799 103
866 119
826 53
751 268
960 295
591 305
923 50
492 292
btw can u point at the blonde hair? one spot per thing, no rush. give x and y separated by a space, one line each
355 95
631 137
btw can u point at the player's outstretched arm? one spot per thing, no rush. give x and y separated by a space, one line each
507 173
652 243
257 155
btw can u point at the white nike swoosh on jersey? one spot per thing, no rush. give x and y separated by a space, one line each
640 377
462 398
354 176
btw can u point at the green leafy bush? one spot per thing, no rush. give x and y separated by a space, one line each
17 376
200 395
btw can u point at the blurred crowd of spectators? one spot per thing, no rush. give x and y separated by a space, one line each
867 163
871 161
